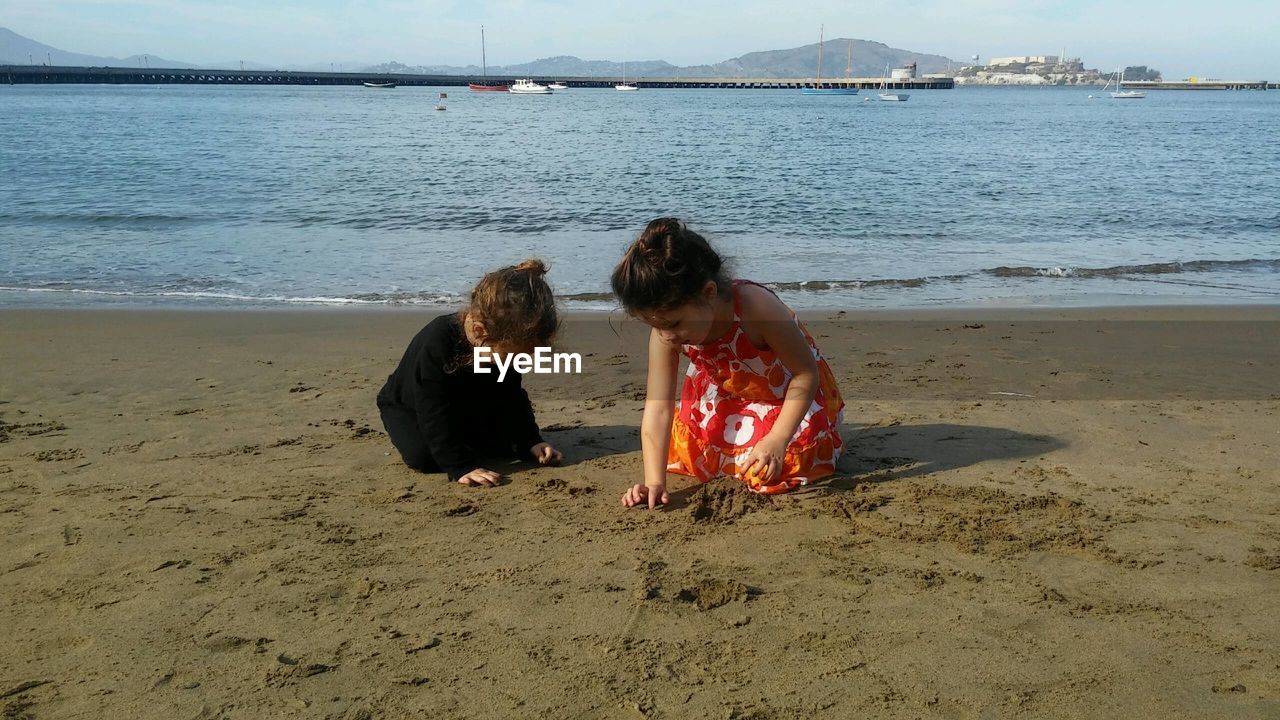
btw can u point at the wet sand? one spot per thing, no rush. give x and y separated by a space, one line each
1041 514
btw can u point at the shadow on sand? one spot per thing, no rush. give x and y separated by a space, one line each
873 454
882 453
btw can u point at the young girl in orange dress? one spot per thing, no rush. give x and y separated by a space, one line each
759 401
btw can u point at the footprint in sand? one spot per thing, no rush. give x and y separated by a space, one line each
700 587
11 430
557 485
975 519
59 455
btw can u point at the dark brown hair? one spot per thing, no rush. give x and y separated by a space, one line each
666 267
516 305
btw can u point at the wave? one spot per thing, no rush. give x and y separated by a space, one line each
820 285
1147 269
588 297
806 286
139 220
204 289
1029 272
357 299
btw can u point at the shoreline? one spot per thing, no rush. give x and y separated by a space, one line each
571 303
1157 311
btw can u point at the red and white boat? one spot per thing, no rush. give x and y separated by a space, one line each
484 85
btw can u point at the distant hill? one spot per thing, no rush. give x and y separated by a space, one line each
18 50
869 60
562 65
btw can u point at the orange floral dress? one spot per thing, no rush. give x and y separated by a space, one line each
732 395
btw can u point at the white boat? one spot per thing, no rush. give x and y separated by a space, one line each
558 86
526 86
1122 94
624 85
386 85
887 96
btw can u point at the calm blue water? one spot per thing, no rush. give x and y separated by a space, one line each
256 195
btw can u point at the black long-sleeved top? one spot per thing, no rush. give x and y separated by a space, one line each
461 413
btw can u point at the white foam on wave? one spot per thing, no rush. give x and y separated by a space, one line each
235 297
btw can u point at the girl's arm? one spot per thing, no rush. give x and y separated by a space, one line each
778 328
522 426
655 428
448 446
518 420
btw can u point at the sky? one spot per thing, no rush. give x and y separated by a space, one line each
1231 39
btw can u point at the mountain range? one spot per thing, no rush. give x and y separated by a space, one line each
869 60
18 50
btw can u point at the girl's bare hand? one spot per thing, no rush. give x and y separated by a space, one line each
481 478
545 454
645 495
765 461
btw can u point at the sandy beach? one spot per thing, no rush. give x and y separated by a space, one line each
1041 513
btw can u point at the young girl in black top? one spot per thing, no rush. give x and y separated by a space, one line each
442 415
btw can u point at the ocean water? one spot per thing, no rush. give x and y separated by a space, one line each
270 196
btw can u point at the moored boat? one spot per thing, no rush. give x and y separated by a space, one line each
484 85
1122 94
817 88
526 86
887 96
624 85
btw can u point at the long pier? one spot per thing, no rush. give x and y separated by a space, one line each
54 75
1198 85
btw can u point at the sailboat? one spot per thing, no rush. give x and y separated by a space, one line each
1121 93
817 88
624 85
484 85
884 90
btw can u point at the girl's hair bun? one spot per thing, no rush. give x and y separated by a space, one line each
533 266
657 231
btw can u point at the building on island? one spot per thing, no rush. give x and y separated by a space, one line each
903 73
1025 60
